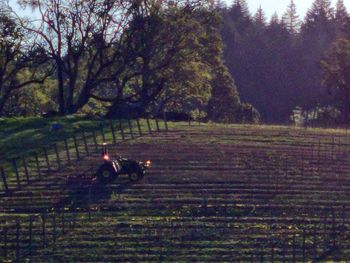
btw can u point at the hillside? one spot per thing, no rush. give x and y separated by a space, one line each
214 193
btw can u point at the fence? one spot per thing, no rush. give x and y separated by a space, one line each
21 171
21 238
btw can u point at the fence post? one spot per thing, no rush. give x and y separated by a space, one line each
262 257
67 151
43 228
16 172
333 228
165 121
76 147
314 243
130 128
74 216
324 232
57 156
17 241
103 132
148 125
284 250
25 166
5 242
62 219
30 245
4 180
54 227
95 140
37 165
319 156
121 129
47 160
113 132
294 248
157 125
85 143
304 248
139 126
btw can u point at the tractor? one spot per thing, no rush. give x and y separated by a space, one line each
109 170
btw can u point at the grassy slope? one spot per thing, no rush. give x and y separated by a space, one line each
19 136
190 155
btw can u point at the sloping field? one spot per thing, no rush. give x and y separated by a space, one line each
214 193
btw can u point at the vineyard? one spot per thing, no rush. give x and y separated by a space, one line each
229 193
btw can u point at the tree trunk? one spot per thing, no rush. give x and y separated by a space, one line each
61 104
2 105
3 100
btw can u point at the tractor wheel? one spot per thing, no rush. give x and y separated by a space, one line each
134 176
106 173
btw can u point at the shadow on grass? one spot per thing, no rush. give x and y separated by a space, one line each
85 193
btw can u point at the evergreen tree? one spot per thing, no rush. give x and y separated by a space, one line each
274 19
260 18
341 16
321 10
242 7
291 18
224 102
336 77
239 16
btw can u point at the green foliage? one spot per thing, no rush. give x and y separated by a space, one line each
224 105
336 69
224 102
159 57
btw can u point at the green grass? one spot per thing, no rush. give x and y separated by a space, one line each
21 136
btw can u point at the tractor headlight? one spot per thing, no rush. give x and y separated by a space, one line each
148 163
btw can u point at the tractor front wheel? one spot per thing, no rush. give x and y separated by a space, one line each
135 176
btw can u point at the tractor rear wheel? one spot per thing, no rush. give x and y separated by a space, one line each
106 173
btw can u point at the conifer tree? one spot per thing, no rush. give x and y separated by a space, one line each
274 19
320 10
341 15
242 5
260 18
224 102
291 18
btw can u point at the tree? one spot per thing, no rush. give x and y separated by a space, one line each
242 7
81 38
341 17
162 40
224 103
321 10
336 69
291 18
19 62
260 18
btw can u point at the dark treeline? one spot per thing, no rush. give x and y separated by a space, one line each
276 62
